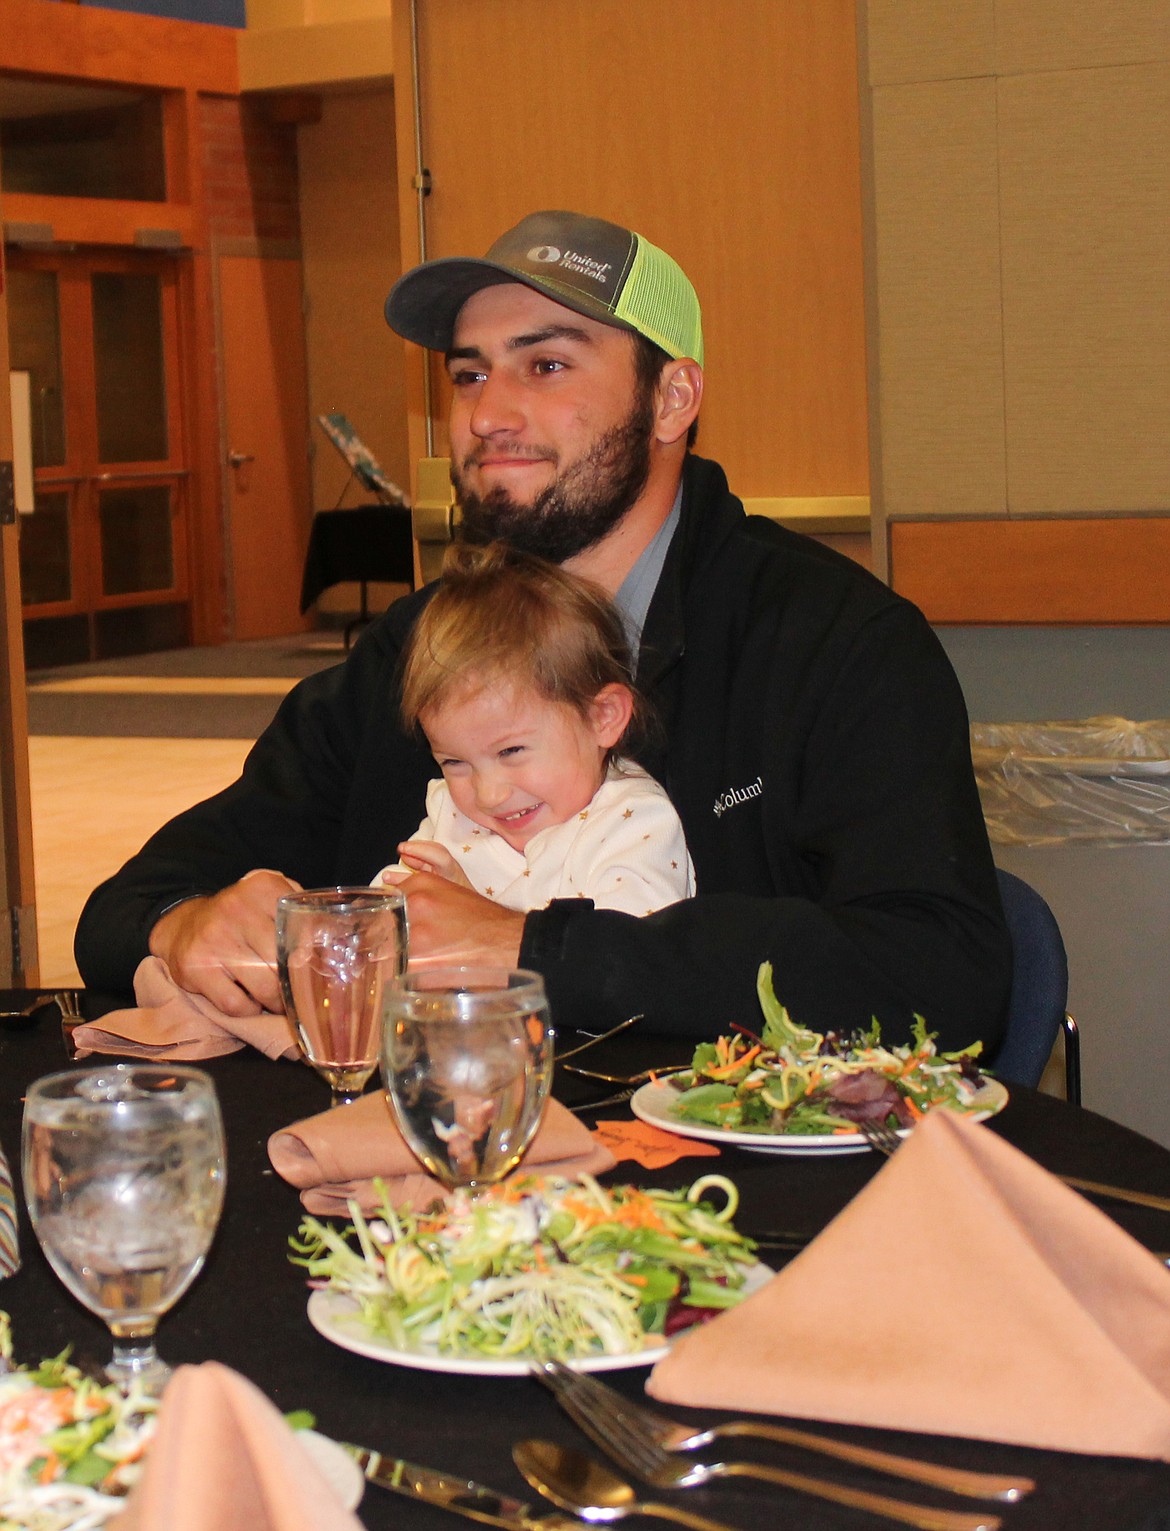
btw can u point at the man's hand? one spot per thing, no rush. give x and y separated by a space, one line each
224 946
453 924
430 856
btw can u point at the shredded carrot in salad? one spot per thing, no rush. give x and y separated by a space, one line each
69 1447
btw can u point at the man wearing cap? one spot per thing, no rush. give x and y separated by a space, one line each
812 735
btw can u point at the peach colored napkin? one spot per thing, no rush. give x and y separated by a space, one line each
964 1291
224 1457
332 1158
650 1146
170 1023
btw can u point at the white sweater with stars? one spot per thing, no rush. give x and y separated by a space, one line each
625 851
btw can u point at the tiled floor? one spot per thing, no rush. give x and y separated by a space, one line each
105 771
94 802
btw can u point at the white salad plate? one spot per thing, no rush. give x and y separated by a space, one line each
335 1316
653 1102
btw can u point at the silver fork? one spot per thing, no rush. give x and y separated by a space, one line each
587 1106
639 1078
24 1012
601 1036
69 1004
881 1137
636 1453
593 1397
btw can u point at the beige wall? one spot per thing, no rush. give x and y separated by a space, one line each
1018 251
349 233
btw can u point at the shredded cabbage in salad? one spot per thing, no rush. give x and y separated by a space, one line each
791 1079
70 1448
538 1267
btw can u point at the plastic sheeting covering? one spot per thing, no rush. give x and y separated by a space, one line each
1100 781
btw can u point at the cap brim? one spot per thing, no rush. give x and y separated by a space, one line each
424 303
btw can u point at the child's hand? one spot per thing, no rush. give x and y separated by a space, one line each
429 856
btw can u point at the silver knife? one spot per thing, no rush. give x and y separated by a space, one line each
1118 1193
461 1495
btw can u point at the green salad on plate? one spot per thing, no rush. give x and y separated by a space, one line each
538 1267
791 1079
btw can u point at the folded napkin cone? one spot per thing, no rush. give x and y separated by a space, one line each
965 1291
173 1025
333 1158
224 1456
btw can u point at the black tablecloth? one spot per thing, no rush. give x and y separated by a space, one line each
369 542
248 1309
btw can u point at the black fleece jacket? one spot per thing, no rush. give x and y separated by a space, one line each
813 738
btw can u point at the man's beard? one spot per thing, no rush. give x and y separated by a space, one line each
579 507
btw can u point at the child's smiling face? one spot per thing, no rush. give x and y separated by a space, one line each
516 762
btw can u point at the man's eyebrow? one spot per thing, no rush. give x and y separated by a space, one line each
523 342
550 332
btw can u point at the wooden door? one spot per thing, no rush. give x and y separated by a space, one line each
98 333
266 434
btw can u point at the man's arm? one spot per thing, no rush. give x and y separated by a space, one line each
326 793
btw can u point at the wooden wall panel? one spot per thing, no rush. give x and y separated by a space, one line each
1098 571
938 345
729 137
17 881
355 361
1085 193
1054 34
923 40
103 44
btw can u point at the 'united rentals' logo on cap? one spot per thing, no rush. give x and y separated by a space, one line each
572 261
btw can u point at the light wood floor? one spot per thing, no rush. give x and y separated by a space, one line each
94 802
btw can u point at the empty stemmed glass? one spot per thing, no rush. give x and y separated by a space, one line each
338 950
124 1179
467 1060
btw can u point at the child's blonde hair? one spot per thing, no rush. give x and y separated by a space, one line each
500 614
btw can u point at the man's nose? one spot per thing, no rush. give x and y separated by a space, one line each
497 407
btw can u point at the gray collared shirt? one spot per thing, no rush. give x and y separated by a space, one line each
637 589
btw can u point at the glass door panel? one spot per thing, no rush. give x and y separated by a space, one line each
137 552
45 565
34 342
129 372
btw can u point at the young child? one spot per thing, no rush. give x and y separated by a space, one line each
518 673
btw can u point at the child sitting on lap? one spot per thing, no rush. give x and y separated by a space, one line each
519 675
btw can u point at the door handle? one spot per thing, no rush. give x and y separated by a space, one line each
238 459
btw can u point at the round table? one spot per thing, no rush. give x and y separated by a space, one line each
247 1308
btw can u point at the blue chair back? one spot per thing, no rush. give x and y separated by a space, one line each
1036 1010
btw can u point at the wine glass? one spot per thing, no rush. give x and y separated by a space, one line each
467 1061
337 950
124 1180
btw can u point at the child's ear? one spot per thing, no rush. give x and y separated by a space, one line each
610 712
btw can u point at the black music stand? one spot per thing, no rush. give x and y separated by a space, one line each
364 543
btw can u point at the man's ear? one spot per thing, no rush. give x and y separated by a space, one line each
680 392
609 714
